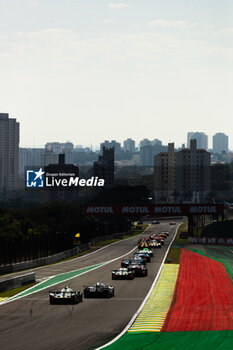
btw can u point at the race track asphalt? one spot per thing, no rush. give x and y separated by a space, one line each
31 323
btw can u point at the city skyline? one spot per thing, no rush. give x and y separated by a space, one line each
87 72
96 147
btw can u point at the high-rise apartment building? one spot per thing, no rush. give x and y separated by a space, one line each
31 157
201 137
53 194
182 175
156 142
61 148
165 174
9 153
144 142
129 145
193 173
220 143
148 152
104 167
110 144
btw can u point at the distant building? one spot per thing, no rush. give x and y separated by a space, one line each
49 157
129 145
35 158
165 175
200 137
104 166
9 153
144 142
66 148
25 159
156 142
182 175
193 173
110 144
220 143
146 156
53 194
136 159
147 153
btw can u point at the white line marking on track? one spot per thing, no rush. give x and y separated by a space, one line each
83 256
102 264
145 300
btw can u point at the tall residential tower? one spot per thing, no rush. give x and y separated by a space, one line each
9 153
220 143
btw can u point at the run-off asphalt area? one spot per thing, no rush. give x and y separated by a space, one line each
31 323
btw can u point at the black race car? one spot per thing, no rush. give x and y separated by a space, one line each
65 296
139 270
122 274
98 290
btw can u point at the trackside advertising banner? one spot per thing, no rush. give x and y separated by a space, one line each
211 240
154 210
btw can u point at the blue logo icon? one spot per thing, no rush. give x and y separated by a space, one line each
35 178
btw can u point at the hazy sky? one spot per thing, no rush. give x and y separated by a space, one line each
89 70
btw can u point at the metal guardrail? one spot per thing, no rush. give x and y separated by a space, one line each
55 258
15 282
43 261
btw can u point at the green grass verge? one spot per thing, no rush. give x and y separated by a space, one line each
182 228
12 292
217 340
173 256
174 252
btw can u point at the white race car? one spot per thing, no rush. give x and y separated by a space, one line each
65 296
155 244
122 274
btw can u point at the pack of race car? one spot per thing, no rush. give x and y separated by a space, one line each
130 268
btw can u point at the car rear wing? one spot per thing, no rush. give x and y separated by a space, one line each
63 293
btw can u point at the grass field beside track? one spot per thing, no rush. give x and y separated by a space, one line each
174 253
212 340
11 292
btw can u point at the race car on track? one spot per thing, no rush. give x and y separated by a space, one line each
147 251
165 232
155 222
162 235
139 270
127 262
122 274
65 296
160 240
172 223
98 290
142 245
155 244
143 255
